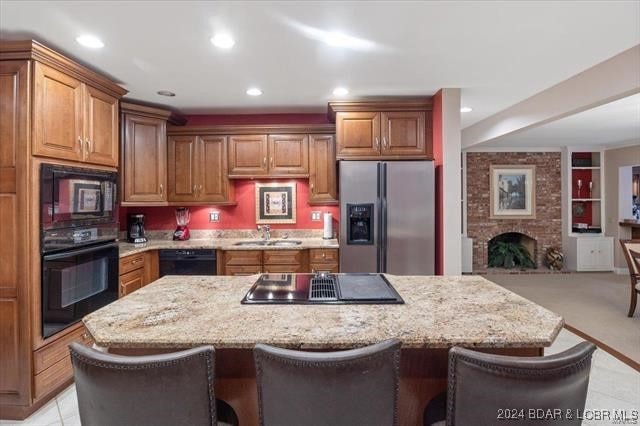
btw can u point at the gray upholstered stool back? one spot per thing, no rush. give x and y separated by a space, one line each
481 385
353 387
167 389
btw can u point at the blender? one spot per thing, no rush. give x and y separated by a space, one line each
182 218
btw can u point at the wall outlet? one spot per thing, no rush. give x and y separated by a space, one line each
316 216
214 216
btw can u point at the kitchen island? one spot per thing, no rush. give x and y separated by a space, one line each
177 312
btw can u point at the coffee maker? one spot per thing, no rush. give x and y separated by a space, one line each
135 229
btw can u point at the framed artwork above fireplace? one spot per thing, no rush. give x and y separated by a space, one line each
512 192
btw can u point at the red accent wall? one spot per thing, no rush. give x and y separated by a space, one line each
437 156
240 216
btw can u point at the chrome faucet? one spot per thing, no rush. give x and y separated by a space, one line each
266 231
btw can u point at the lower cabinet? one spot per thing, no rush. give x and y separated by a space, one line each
137 270
594 254
52 363
250 262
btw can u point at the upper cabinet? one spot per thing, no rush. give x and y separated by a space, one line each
281 155
144 155
248 155
72 119
197 170
289 155
323 183
383 129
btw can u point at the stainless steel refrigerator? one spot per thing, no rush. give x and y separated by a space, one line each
387 217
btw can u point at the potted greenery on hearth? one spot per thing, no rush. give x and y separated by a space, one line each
504 254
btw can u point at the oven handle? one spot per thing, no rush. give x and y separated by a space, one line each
79 251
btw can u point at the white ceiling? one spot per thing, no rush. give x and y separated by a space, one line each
499 53
609 124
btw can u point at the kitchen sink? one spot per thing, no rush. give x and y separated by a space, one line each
285 243
252 243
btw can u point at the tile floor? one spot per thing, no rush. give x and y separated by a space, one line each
613 386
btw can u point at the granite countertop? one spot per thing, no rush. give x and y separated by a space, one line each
127 249
439 312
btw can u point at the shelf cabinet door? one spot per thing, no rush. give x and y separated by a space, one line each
131 281
182 173
288 155
58 115
101 132
357 134
144 162
403 133
594 254
248 155
322 170
213 183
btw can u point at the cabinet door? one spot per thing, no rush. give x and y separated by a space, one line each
101 128
182 173
57 113
248 155
289 155
403 133
324 267
357 134
213 183
242 270
144 160
587 253
131 282
322 170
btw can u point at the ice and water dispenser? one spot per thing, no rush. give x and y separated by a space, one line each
360 224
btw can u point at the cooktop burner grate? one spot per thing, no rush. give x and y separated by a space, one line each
322 287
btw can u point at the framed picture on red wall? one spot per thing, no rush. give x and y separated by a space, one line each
513 192
275 203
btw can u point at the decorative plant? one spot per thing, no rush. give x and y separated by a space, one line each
509 255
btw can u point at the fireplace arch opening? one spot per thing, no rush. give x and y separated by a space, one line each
512 250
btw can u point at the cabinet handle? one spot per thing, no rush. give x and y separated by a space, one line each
88 147
324 255
377 143
85 335
200 189
195 189
80 145
271 160
384 142
264 161
161 191
313 191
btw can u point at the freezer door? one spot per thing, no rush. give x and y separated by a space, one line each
409 237
359 184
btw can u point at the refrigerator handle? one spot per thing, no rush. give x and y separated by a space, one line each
383 220
378 238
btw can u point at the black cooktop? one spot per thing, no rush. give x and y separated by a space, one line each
322 289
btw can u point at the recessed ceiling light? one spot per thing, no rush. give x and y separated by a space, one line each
165 93
340 91
90 41
223 41
466 109
254 91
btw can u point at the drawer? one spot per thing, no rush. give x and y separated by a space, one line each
243 270
131 263
52 377
243 257
55 351
323 255
325 267
284 269
284 257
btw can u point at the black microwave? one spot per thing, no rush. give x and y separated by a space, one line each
72 197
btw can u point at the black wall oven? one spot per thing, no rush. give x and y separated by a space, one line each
79 230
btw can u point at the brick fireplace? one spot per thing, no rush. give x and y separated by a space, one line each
545 230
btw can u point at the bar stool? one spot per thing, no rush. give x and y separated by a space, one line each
352 387
486 389
166 389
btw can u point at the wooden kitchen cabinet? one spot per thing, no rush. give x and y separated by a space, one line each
357 134
250 262
403 133
74 120
197 170
324 260
390 129
137 270
130 282
323 182
144 155
289 155
248 155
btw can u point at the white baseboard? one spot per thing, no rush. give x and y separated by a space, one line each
621 271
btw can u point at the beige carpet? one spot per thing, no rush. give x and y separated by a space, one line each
593 303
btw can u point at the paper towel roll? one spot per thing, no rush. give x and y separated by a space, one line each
328 227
